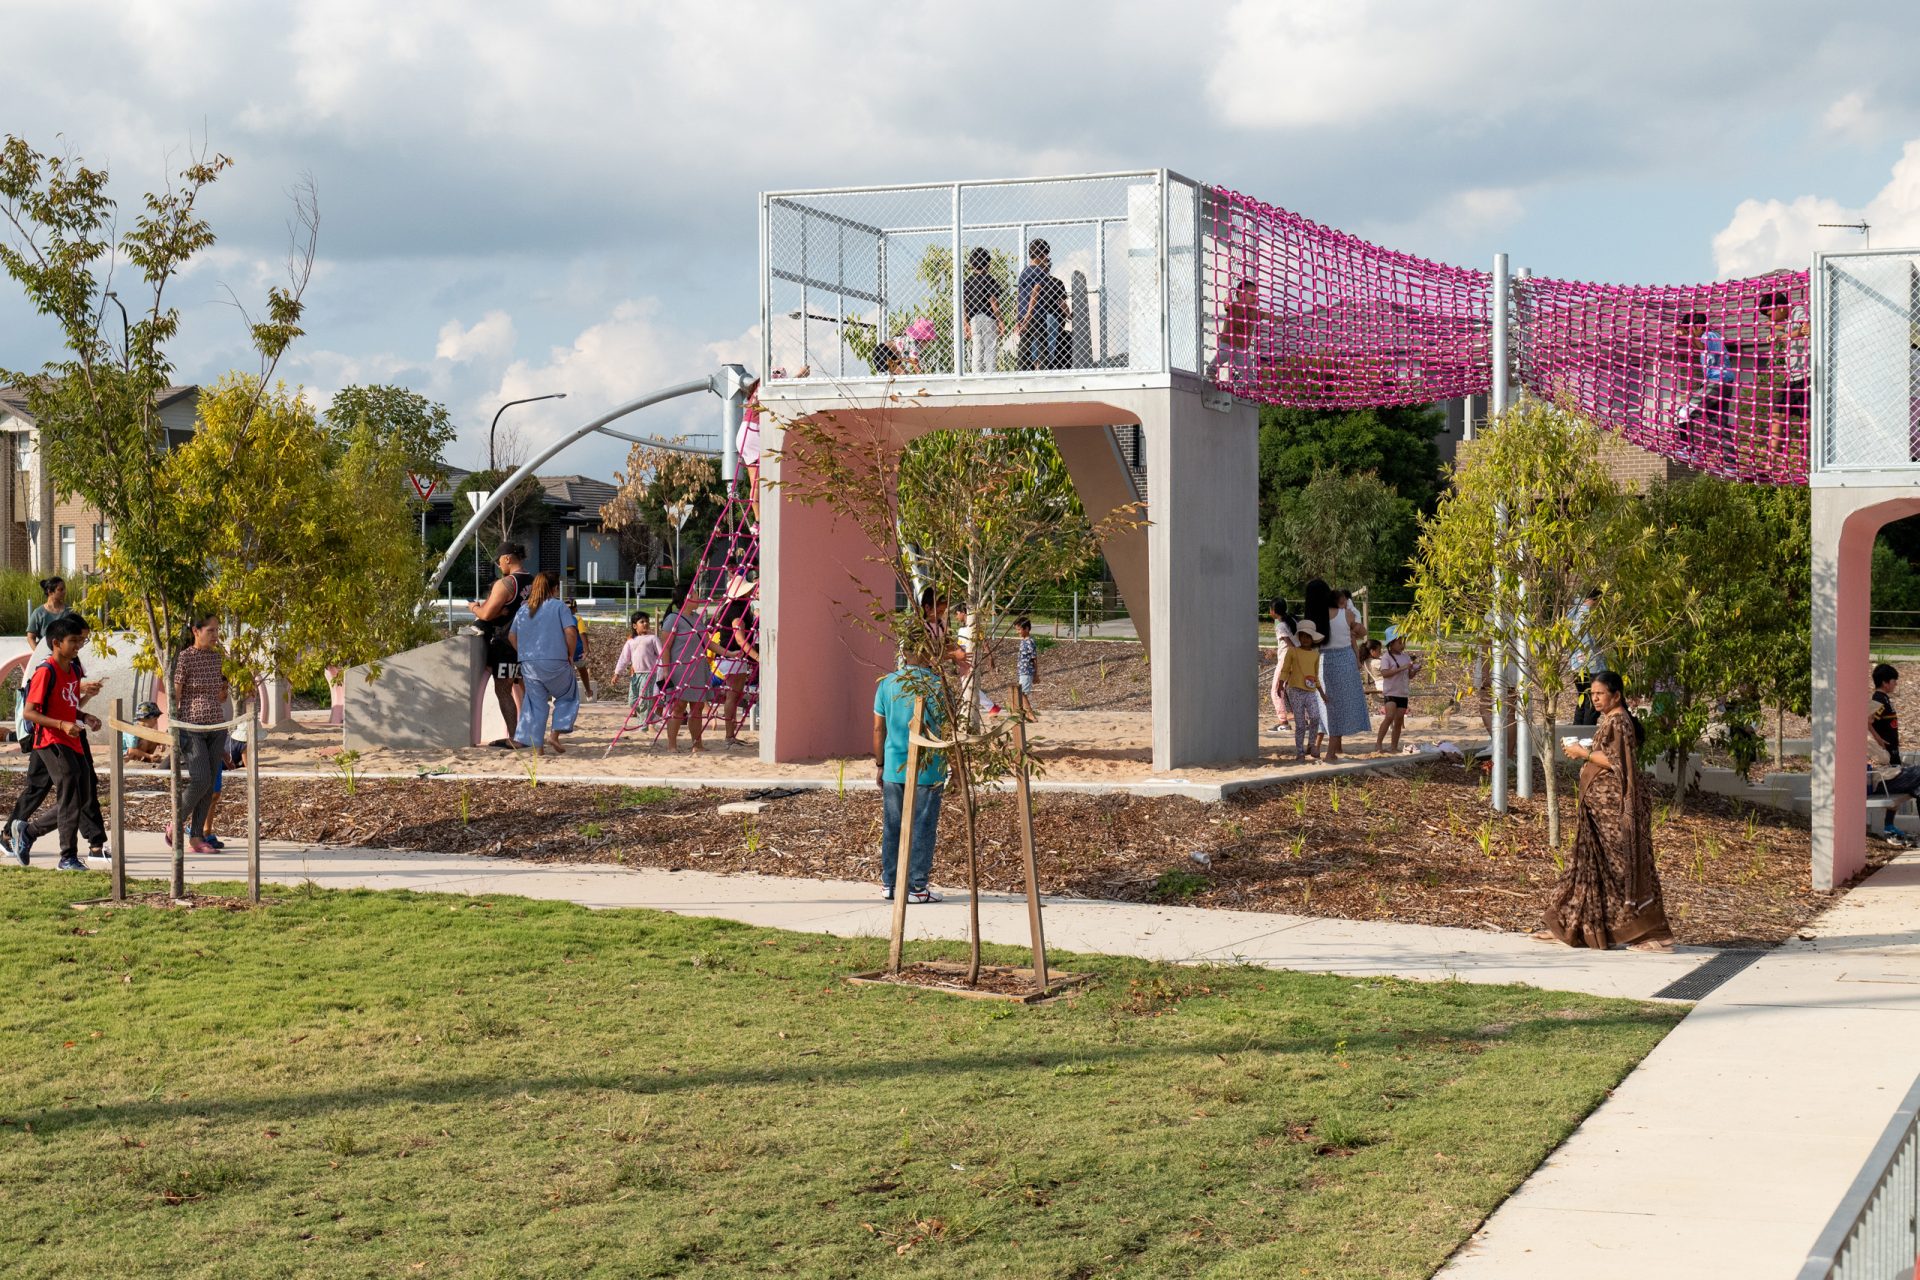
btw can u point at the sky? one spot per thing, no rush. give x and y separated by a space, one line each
526 198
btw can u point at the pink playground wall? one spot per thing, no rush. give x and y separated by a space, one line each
819 667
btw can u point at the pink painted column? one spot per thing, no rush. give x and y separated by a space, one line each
1845 521
820 656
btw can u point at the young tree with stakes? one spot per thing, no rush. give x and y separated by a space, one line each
97 407
982 506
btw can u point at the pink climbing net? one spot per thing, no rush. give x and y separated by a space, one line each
1308 316
1714 376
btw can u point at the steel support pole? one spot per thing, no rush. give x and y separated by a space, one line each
1523 696
1497 405
720 384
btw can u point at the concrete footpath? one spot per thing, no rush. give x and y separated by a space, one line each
1725 1152
849 909
1722 1155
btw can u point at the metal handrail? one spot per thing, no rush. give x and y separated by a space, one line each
1872 1236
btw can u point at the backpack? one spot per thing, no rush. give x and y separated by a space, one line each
24 732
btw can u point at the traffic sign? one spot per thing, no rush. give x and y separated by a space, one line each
423 486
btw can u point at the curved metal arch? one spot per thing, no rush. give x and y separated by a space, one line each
729 384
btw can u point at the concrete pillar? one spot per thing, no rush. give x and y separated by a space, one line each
820 655
1202 559
1104 482
1845 520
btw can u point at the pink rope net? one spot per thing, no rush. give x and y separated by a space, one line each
1714 376
1312 317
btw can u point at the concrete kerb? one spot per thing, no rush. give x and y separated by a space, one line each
1205 792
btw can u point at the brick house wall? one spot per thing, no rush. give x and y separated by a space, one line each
1636 468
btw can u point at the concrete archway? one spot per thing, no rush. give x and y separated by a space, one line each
1846 519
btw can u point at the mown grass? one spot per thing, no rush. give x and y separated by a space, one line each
362 1084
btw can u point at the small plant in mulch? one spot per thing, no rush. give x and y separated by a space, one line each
1178 886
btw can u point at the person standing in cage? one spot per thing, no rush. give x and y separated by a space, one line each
1609 894
1719 379
493 616
1043 311
980 305
1791 356
736 651
1234 361
544 633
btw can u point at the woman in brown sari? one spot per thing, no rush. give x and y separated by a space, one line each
1610 891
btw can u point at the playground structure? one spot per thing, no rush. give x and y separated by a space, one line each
1189 304
1185 307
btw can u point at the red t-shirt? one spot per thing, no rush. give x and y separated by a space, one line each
56 693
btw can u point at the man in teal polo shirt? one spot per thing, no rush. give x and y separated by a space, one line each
892 719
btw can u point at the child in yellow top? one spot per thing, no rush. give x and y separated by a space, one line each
1300 675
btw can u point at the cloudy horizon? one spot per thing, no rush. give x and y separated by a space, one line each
517 201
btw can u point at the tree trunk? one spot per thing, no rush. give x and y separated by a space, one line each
1548 741
1680 757
963 758
1779 735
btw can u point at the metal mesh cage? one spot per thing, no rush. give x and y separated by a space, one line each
1866 312
1047 276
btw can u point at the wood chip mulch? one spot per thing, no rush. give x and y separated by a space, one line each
1414 843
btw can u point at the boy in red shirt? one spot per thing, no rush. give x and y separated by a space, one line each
54 699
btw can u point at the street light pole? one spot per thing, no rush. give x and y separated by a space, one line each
557 395
126 344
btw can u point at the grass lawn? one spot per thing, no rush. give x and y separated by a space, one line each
364 1084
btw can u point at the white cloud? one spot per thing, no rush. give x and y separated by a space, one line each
491 338
1764 235
1853 118
635 350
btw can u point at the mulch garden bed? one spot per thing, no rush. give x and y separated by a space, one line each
1415 843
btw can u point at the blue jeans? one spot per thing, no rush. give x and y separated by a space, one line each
926 828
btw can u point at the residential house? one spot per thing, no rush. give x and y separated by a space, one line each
44 532
565 532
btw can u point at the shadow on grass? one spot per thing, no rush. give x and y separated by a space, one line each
475 1089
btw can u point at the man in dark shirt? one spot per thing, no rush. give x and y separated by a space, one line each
1042 316
1885 721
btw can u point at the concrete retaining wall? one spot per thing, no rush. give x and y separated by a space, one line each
424 699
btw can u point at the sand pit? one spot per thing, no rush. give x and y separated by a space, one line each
1073 746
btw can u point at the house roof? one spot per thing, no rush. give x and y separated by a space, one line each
582 492
14 399
570 498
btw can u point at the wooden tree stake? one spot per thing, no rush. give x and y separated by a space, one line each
905 845
1024 791
116 805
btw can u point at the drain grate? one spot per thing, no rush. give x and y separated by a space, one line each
1695 984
